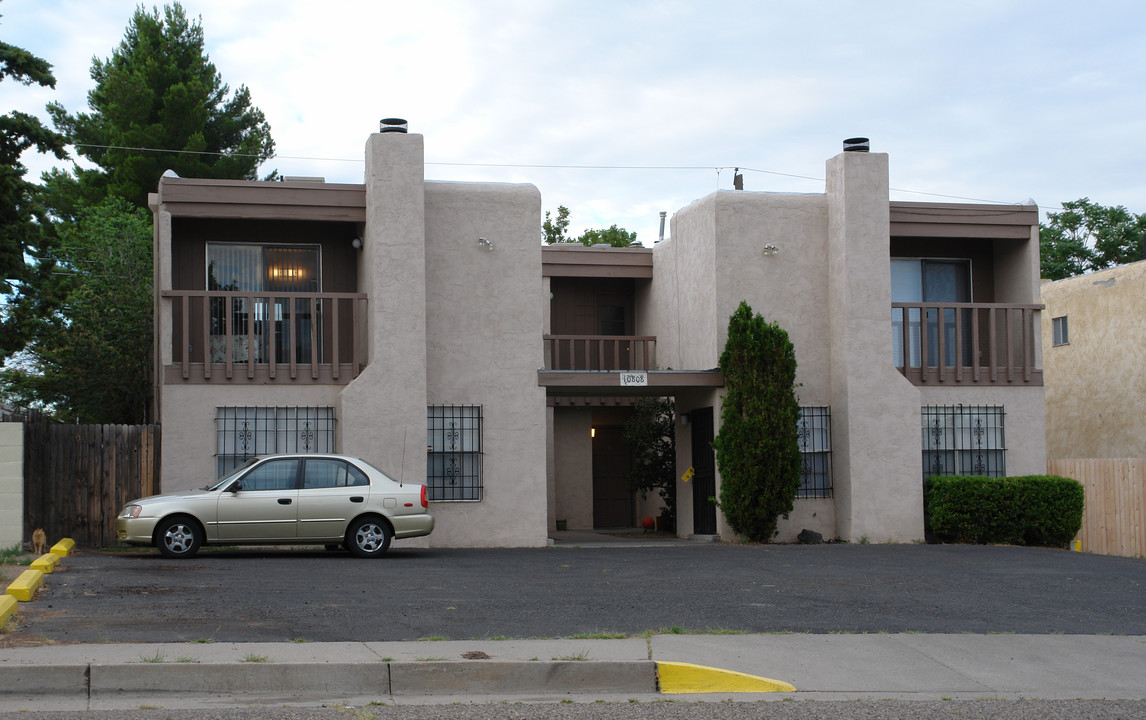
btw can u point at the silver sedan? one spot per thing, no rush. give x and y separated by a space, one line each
331 500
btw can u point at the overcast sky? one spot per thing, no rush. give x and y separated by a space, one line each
997 101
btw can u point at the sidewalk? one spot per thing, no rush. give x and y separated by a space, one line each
821 667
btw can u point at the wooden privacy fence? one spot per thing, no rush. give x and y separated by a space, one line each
1114 519
78 477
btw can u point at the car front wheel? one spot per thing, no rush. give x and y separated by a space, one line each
368 537
178 537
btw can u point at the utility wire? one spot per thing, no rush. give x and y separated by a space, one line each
717 168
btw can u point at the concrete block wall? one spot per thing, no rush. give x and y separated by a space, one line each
11 484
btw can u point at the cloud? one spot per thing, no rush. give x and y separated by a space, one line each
999 100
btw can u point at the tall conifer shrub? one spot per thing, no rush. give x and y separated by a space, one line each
757 450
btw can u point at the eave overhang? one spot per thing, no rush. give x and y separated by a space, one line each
657 383
262 200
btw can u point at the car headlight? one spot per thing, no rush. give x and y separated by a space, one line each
131 511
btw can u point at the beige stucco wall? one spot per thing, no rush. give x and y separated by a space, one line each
382 412
12 485
683 295
573 465
878 492
789 288
189 431
829 286
483 347
1095 385
1024 421
815 514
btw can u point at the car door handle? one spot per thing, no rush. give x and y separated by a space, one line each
285 501
357 498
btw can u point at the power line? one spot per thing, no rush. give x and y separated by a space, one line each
538 166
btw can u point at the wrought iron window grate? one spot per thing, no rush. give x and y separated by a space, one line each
814 431
246 432
454 458
964 440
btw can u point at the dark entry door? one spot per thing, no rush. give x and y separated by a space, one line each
704 469
612 501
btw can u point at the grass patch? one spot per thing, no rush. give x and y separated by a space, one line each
186 659
602 635
579 657
13 555
252 658
430 659
433 638
299 640
158 657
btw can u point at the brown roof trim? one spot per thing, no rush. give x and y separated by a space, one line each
196 197
574 260
917 219
608 383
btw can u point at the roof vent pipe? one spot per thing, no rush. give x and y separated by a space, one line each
662 235
857 144
392 125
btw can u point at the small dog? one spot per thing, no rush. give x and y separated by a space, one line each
39 541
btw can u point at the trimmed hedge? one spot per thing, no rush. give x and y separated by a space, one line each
1043 510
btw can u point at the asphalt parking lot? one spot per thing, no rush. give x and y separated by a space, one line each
275 595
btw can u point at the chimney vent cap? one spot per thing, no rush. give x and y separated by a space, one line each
392 125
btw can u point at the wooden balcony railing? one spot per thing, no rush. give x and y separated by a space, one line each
967 343
263 337
595 353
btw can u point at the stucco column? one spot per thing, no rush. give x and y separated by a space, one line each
875 410
382 413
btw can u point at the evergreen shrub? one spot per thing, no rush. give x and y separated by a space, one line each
1042 510
757 449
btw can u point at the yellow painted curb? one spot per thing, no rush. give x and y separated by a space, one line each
25 586
679 678
46 563
8 607
64 547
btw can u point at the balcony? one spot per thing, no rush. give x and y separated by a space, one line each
260 338
600 353
967 343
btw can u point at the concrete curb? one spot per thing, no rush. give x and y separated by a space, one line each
96 681
906 666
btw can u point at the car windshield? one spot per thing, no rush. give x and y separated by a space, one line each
231 475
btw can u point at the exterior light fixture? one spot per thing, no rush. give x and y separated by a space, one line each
485 244
356 243
592 432
771 249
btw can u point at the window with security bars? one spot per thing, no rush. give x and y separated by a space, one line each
454 460
814 431
964 440
242 433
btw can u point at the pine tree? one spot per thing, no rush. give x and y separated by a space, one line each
158 90
24 235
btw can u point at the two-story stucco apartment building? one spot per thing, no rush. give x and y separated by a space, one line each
422 326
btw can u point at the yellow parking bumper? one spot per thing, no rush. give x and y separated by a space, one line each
25 586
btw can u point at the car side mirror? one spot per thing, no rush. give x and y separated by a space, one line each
235 486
